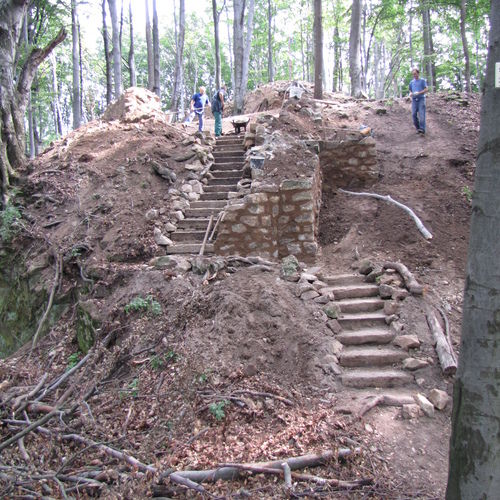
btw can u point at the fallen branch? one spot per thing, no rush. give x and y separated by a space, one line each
230 472
385 400
411 283
264 395
444 350
301 477
58 272
425 232
220 218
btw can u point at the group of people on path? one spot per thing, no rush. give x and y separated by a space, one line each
200 100
418 88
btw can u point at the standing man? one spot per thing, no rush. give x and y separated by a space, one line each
218 108
418 89
198 103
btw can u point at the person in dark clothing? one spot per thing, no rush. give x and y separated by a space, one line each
418 89
218 108
198 103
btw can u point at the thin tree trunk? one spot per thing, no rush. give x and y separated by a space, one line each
354 49
107 56
216 16
156 51
337 50
76 103
463 17
56 108
131 52
270 66
475 444
117 56
31 125
149 45
230 47
318 50
428 52
177 105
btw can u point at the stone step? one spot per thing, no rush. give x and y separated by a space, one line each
191 224
208 204
187 236
230 139
215 195
193 248
360 305
201 212
366 336
370 356
226 173
229 145
236 165
355 291
343 279
376 378
220 188
228 157
363 320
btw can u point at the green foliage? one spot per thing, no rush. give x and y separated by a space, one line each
467 192
159 362
131 390
73 359
139 304
217 409
10 222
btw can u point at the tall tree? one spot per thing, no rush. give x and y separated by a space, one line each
428 45
242 42
131 52
14 88
117 53
156 51
149 45
107 55
270 66
475 444
216 16
354 49
56 108
177 104
75 39
465 45
318 50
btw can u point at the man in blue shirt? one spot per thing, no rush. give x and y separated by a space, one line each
418 89
198 103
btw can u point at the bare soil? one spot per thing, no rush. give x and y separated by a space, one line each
165 386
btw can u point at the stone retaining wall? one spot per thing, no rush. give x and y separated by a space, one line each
274 221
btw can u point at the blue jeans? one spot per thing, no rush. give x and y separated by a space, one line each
418 113
200 120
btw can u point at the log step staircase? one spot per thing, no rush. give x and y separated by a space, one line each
225 173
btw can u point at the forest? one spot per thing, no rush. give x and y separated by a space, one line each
187 369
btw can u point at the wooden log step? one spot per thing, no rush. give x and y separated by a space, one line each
192 248
371 356
376 378
215 195
187 236
219 188
363 320
237 165
222 181
355 291
226 173
369 304
343 279
208 204
190 224
366 336
201 212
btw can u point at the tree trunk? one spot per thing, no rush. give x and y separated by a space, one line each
242 45
14 98
428 52
149 45
216 15
176 105
463 17
117 56
270 66
76 106
156 51
318 50
56 108
229 46
354 49
475 445
107 56
131 52
337 51
31 125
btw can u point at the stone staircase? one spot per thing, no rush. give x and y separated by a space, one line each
227 170
368 357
